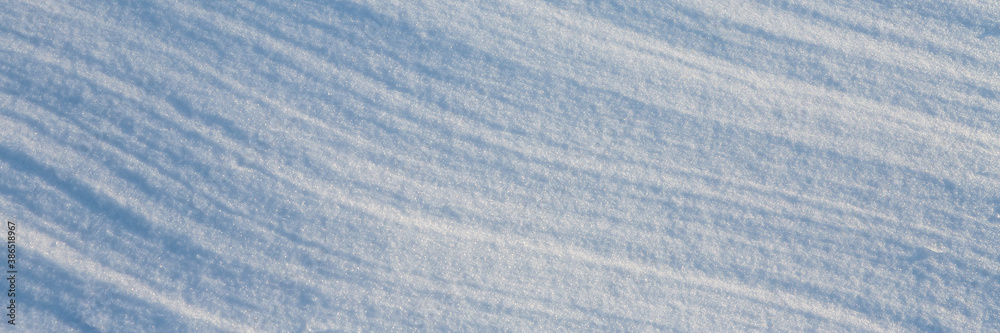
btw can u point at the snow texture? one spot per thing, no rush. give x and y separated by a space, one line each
561 165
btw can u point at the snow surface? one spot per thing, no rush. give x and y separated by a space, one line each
562 165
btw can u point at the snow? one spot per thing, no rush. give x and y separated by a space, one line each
605 165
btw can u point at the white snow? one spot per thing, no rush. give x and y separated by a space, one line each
562 165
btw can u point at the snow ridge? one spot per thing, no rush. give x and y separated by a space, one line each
556 165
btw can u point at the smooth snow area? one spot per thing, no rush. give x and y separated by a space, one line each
604 165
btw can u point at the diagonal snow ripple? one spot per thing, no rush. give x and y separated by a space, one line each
503 165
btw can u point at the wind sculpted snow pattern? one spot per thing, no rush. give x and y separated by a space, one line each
502 165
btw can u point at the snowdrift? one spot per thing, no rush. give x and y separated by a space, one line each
599 165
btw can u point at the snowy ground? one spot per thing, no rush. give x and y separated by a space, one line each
562 165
